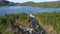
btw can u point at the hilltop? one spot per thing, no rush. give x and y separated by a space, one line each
55 4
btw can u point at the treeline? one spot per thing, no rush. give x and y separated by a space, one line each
55 4
52 18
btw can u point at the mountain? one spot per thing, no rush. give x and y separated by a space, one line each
55 4
43 4
7 3
3 3
29 3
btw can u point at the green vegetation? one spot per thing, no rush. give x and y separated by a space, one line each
1 3
52 18
43 4
7 3
30 3
5 22
47 18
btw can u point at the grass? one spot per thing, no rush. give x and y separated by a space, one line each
5 22
52 18
47 18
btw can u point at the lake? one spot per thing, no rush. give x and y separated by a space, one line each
26 9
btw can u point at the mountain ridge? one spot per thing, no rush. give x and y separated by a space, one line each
55 4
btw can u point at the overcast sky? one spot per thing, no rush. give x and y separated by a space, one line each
21 1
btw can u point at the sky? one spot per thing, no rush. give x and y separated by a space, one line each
21 1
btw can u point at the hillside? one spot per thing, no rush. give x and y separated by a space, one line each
55 4
43 4
7 3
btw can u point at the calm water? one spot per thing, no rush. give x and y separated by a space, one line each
27 9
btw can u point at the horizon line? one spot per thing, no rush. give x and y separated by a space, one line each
33 1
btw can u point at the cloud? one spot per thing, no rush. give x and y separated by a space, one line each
30 0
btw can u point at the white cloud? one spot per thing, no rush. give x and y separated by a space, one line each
30 0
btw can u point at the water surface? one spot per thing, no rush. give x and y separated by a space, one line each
27 9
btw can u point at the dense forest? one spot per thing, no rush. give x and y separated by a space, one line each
55 4
46 18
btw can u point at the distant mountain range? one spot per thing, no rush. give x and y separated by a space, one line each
55 4
43 4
